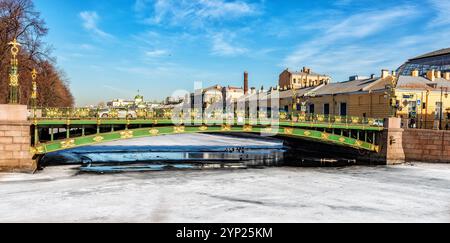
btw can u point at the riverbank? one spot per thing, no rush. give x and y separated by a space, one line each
405 193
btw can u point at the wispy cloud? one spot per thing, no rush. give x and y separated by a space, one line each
194 12
157 53
223 47
346 46
90 20
442 10
367 23
87 47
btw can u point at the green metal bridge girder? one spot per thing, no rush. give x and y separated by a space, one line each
291 131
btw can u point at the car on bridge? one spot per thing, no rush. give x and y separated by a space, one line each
121 112
378 123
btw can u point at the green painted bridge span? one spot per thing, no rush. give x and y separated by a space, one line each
167 122
296 131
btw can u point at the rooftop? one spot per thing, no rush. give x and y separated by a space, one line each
305 71
353 86
440 52
410 82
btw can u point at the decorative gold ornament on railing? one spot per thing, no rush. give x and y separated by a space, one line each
68 144
248 128
53 113
262 115
126 134
37 150
179 129
288 131
98 139
113 113
81 113
14 74
320 118
154 131
269 130
226 128
33 88
141 113
168 114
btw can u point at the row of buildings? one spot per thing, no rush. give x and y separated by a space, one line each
139 103
417 92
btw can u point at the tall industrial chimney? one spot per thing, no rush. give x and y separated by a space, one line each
245 82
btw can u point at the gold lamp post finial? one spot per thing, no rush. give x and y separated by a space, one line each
34 74
14 47
14 75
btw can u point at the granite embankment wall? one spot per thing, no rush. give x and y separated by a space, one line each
15 139
426 145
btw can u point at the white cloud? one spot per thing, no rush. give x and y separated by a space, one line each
346 45
87 47
442 11
90 20
223 47
157 53
193 12
367 23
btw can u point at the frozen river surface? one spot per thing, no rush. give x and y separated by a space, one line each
406 193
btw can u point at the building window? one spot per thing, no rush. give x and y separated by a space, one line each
412 109
381 99
343 109
438 112
326 109
311 109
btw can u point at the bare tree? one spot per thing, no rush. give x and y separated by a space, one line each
20 20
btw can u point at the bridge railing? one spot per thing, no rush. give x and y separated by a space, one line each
193 115
319 118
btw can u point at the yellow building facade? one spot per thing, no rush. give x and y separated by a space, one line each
422 102
366 97
301 79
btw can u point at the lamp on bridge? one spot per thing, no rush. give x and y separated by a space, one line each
34 92
14 75
33 88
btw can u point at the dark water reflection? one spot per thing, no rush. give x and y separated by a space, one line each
114 159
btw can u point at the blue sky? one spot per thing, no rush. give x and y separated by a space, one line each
112 48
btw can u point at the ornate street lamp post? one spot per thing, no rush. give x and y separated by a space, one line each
34 89
34 92
294 103
390 95
441 110
14 75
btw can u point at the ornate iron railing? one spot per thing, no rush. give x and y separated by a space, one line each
192 115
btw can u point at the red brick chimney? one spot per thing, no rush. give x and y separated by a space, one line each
245 82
